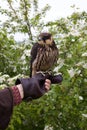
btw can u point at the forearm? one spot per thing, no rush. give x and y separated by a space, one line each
20 88
6 107
26 87
9 97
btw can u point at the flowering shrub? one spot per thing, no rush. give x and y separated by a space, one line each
65 106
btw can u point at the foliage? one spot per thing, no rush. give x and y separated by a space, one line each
65 106
14 57
25 17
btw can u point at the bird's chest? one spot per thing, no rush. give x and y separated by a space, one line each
45 58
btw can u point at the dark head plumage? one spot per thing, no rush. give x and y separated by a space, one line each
45 38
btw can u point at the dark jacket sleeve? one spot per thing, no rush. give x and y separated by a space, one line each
6 107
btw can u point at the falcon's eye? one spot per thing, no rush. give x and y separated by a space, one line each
39 39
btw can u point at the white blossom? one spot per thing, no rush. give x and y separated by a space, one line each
84 115
24 62
11 80
60 64
80 98
85 80
48 128
69 55
84 54
2 79
84 43
3 86
85 66
23 57
15 69
78 71
75 33
73 40
71 72
27 52
80 63
85 31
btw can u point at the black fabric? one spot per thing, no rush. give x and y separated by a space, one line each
56 79
6 107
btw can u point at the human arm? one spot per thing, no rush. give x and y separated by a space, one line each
25 89
9 97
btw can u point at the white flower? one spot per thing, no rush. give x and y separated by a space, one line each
14 70
2 79
69 55
23 57
27 52
80 98
85 66
48 128
78 72
84 43
24 62
85 115
3 86
84 54
85 80
73 40
11 80
71 72
6 76
85 31
80 63
60 64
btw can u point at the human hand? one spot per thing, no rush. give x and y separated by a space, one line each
47 84
34 87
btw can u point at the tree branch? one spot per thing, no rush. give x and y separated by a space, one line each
27 20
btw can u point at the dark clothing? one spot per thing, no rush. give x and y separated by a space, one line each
6 107
33 88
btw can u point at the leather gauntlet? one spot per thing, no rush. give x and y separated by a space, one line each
33 87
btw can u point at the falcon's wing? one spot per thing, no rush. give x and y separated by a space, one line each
33 56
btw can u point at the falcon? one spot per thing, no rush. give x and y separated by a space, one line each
44 54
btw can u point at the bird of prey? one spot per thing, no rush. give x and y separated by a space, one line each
44 54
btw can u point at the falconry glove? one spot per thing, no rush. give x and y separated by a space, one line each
33 87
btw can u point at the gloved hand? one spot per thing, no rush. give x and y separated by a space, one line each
33 87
